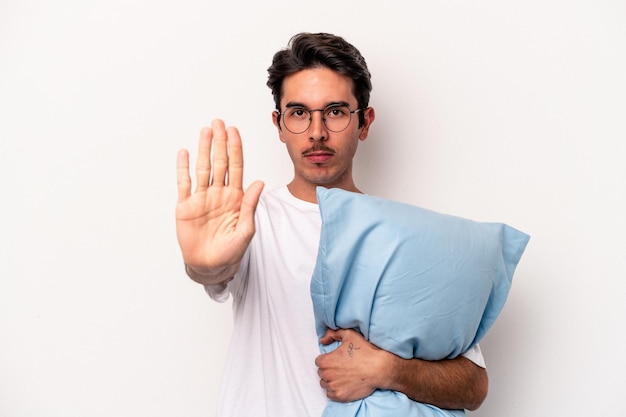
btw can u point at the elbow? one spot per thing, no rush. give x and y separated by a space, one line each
480 389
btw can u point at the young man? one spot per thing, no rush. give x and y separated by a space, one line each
261 250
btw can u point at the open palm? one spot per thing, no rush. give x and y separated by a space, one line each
215 223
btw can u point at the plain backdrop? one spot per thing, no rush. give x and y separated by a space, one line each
503 111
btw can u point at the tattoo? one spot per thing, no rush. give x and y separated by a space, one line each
352 348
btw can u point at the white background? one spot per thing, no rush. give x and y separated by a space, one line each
497 111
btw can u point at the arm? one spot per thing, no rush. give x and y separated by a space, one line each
215 223
357 368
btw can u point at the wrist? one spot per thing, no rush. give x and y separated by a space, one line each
389 371
211 276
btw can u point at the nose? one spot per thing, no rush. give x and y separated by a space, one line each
317 129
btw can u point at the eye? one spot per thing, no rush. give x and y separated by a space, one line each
297 113
336 112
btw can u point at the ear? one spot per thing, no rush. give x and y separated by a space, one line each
369 116
276 122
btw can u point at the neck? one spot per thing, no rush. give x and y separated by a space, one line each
307 192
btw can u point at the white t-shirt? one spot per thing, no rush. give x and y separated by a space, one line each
270 369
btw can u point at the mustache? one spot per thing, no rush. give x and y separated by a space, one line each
318 148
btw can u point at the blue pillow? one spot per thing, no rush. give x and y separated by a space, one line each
414 282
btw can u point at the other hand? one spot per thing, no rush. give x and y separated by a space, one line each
351 371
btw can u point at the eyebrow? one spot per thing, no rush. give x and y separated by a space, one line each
292 104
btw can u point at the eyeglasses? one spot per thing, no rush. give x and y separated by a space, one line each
336 118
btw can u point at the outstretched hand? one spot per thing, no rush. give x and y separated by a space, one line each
215 223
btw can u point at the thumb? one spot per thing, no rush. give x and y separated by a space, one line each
251 196
249 203
331 336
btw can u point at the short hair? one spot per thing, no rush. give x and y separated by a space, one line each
317 50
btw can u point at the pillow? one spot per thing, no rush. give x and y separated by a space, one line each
414 282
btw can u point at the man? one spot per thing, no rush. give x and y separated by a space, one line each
261 249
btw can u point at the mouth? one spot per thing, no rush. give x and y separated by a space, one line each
318 156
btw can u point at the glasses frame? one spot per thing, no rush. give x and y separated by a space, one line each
323 111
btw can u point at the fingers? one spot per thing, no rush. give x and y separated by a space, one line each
183 179
203 163
220 158
235 158
220 153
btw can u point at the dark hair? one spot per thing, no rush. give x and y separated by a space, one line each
314 50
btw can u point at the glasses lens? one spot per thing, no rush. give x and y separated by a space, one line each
337 118
297 119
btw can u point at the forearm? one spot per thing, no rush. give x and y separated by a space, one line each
450 384
356 368
212 276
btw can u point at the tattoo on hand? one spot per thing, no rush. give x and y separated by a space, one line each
352 348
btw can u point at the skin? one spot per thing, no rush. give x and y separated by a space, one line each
356 368
215 224
319 156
